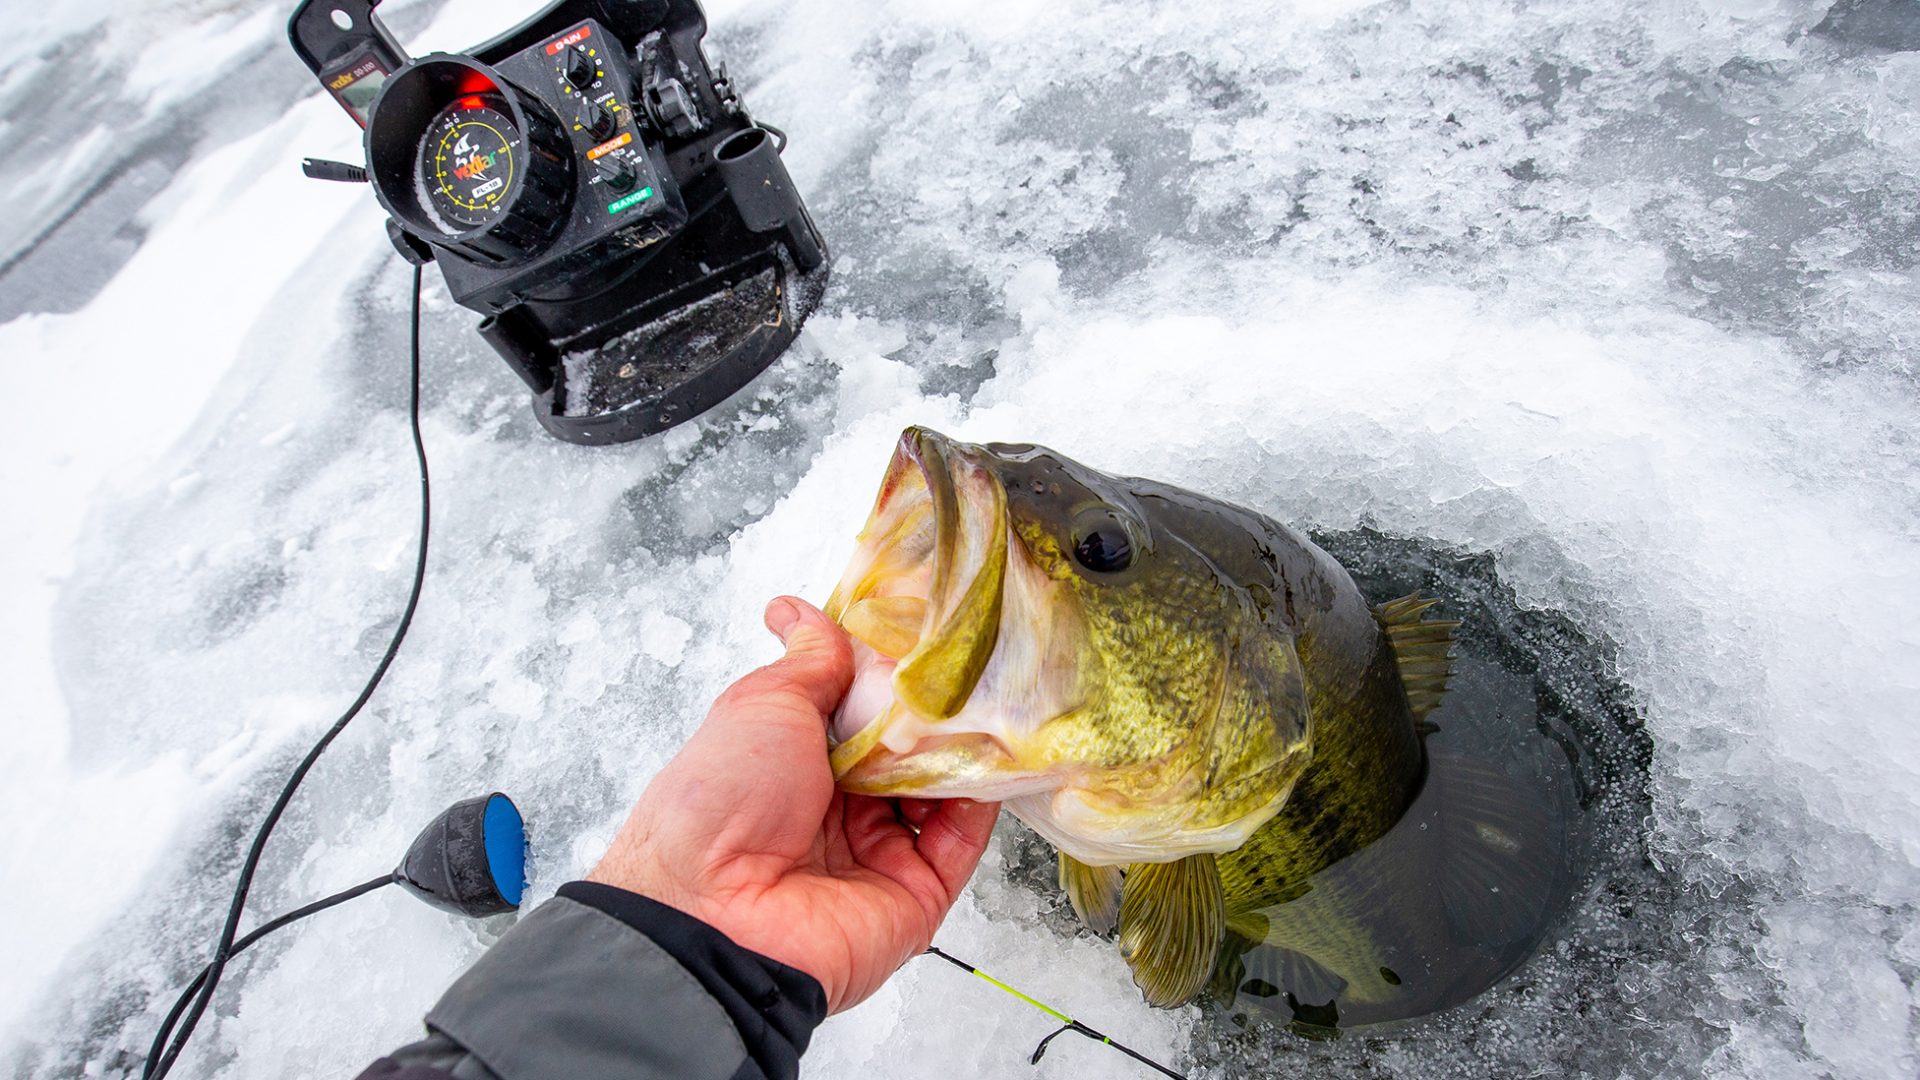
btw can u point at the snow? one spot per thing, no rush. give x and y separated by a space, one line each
1622 294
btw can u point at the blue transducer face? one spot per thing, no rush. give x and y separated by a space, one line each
506 846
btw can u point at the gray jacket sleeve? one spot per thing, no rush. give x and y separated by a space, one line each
603 984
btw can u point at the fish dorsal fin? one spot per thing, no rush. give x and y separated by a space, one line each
1423 649
1173 917
1094 892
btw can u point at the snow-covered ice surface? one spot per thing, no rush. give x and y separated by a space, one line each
1617 298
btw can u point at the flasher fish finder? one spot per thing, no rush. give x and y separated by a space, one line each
596 190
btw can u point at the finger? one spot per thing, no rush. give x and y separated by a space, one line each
915 812
877 839
804 685
953 839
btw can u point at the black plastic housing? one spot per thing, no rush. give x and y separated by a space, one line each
542 190
639 311
450 866
764 194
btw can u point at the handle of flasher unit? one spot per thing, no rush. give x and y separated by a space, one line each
761 189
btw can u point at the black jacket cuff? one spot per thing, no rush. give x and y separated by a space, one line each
774 1007
603 984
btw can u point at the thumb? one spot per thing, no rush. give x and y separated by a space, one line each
818 666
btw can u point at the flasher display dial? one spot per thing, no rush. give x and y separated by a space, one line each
470 158
465 160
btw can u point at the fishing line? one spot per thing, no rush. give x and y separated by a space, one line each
227 947
1068 1023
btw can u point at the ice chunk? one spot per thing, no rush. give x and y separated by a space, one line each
1617 299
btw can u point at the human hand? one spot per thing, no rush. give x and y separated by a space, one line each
745 830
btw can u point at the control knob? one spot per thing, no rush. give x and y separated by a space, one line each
597 120
578 67
616 173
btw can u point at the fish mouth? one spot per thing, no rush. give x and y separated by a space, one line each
922 600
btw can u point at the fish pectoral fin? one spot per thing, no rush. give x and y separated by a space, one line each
1094 892
1173 918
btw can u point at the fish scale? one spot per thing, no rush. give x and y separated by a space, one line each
1177 687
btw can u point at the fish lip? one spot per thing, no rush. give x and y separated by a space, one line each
933 459
932 451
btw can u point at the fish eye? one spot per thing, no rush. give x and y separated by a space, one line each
1101 542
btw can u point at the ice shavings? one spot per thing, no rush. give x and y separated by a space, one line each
1619 294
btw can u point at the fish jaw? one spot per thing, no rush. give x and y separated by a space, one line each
959 647
963 610
922 594
1086 826
969 765
892 568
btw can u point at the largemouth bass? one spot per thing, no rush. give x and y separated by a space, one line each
1191 702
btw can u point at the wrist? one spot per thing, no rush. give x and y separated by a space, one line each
642 879
636 873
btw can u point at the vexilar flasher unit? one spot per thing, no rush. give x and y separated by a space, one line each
589 184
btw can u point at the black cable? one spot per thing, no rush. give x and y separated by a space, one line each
225 949
228 947
180 1004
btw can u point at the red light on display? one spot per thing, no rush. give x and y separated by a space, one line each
472 103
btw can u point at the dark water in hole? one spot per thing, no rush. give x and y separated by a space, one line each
1533 802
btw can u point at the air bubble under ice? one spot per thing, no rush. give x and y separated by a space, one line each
1618 296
